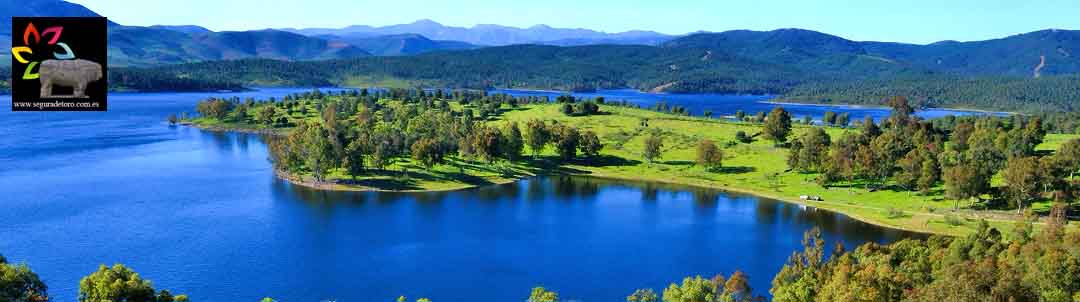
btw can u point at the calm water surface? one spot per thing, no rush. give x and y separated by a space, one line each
200 213
727 105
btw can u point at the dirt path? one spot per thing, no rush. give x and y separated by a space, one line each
1038 69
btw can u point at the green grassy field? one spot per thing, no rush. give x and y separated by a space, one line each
757 168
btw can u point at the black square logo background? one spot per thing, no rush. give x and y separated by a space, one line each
85 36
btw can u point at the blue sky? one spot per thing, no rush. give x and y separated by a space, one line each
913 21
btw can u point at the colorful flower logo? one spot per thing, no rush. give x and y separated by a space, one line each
24 54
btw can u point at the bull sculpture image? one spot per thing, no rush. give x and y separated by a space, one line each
68 73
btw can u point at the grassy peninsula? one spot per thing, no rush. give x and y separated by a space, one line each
408 140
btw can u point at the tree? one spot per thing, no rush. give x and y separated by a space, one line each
696 289
829 118
536 136
808 153
317 150
737 288
1022 179
901 110
642 295
353 157
929 175
1068 156
540 294
758 117
843 120
742 137
426 151
707 113
19 284
964 181
653 145
119 283
214 108
740 115
911 167
777 126
841 162
487 142
709 156
513 143
590 144
265 115
869 129
566 140
240 113
568 109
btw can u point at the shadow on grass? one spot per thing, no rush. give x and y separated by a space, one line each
677 163
735 170
391 184
606 161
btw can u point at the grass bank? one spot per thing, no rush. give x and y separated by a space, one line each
756 168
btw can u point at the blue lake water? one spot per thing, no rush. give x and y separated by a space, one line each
727 105
201 213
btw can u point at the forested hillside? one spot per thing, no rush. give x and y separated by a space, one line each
398 45
800 65
1061 93
142 46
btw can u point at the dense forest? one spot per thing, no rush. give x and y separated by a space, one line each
147 80
677 70
1046 94
800 65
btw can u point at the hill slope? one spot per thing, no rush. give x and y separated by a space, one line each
491 34
398 45
139 46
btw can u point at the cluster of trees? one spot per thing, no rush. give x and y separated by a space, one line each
108 284
984 266
119 283
917 155
19 284
838 120
148 80
356 132
572 106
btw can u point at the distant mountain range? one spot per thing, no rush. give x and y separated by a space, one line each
494 35
427 53
1041 53
397 45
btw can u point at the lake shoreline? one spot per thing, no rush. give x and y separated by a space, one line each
311 183
863 106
